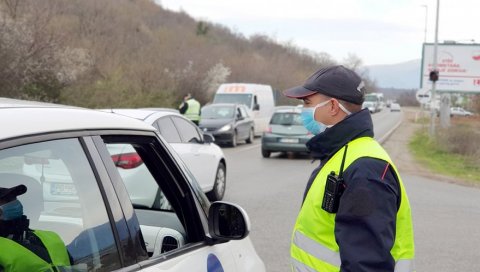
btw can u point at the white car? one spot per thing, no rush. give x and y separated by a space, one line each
395 107
104 225
370 106
457 111
204 158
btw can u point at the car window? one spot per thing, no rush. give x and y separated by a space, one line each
218 112
286 119
243 112
187 130
239 113
167 129
164 212
63 197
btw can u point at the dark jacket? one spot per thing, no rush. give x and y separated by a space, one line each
365 221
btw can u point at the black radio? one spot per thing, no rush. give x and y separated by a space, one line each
334 188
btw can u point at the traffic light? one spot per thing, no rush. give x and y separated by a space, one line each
434 75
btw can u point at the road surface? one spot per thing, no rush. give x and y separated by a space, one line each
446 216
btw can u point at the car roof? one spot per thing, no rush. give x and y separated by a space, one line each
288 109
223 105
22 118
141 114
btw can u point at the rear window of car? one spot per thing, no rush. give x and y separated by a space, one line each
286 119
218 112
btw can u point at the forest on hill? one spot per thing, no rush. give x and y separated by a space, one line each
134 53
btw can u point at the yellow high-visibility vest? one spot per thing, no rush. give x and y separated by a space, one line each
14 257
193 110
313 245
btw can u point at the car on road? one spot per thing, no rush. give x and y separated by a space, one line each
395 107
205 159
285 132
229 123
258 99
371 106
458 111
162 223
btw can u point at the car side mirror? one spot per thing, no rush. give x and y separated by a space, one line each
256 107
227 221
208 138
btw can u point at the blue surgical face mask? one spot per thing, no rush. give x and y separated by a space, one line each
11 210
308 119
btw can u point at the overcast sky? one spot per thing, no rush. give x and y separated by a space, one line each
378 31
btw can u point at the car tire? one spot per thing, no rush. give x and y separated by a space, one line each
233 143
266 153
250 137
218 190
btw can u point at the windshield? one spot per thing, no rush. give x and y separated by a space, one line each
286 119
245 99
372 98
218 112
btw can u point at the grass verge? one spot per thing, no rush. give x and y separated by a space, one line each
428 152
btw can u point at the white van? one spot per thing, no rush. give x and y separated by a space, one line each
258 99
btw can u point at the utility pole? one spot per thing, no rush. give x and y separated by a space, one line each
426 23
434 83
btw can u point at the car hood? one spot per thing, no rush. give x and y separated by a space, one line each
214 123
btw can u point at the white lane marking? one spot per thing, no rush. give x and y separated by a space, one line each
386 135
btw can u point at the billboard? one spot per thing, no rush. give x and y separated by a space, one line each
458 66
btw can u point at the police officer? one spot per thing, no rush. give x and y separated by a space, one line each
23 249
190 108
355 214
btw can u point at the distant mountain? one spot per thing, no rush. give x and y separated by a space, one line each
405 75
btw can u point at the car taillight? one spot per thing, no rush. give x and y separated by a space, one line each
127 160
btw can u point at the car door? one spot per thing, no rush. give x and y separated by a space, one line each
198 156
82 209
173 221
240 124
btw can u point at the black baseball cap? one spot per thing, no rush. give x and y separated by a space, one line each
5 193
333 81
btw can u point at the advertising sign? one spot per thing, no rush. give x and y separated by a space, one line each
458 66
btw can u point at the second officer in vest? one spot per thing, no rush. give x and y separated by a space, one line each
190 108
355 214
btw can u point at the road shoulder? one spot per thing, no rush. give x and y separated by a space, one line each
397 147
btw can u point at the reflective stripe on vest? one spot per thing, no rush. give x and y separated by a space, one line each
15 257
193 110
331 257
313 239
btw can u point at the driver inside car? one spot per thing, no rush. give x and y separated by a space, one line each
24 249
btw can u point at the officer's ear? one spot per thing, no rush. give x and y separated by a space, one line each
334 107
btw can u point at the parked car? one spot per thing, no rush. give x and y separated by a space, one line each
285 132
229 123
108 226
457 111
204 158
395 107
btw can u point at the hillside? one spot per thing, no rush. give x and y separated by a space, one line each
124 53
405 75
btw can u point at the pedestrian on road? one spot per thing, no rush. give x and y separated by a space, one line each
190 108
355 214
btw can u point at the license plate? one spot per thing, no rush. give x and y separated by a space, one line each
63 189
289 141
